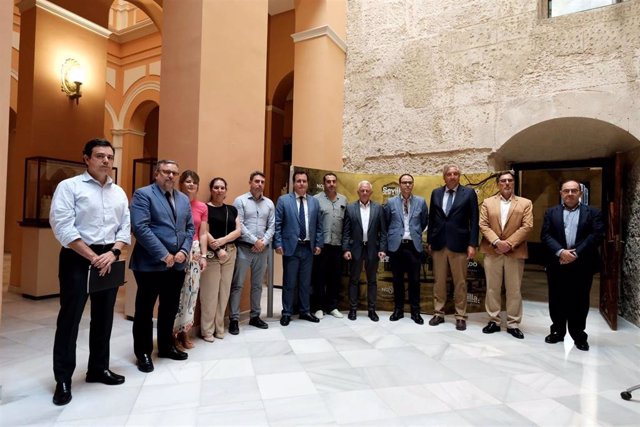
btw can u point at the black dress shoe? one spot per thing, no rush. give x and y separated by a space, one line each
105 377
173 353
144 363
436 320
309 317
257 322
415 316
352 314
285 320
582 345
491 328
396 315
62 395
373 316
461 324
553 338
516 333
234 329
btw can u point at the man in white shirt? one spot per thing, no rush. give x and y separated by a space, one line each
90 218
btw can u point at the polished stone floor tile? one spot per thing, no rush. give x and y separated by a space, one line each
334 373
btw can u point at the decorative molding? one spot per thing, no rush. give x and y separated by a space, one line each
324 30
15 40
64 14
132 75
112 113
127 132
154 68
154 86
134 32
111 77
275 110
14 74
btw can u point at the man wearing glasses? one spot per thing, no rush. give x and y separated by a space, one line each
452 237
505 223
571 234
406 216
162 224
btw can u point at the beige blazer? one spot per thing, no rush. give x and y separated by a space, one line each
516 230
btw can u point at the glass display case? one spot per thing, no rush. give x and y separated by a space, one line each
41 177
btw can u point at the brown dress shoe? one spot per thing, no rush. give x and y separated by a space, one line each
436 320
461 324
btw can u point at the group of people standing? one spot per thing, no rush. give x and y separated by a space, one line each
185 247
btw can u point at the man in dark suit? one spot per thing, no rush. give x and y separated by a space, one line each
298 236
364 240
163 227
406 216
571 234
452 237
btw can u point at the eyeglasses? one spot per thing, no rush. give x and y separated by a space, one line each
166 172
570 191
101 156
505 180
406 182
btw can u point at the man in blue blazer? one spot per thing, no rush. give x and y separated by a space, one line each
571 234
298 236
163 227
452 237
364 241
406 216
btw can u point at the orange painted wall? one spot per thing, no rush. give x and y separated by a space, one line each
281 49
6 26
50 124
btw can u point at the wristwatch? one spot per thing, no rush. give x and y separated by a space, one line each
116 252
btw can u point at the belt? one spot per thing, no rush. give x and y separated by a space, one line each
364 243
304 242
406 241
241 243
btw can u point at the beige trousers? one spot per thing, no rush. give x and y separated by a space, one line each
215 285
497 268
444 261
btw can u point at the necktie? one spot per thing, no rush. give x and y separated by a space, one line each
173 209
449 202
303 228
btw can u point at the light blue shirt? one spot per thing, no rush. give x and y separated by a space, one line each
82 208
257 218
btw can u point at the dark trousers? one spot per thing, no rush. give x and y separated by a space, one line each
73 270
371 270
406 260
327 271
297 274
569 288
152 285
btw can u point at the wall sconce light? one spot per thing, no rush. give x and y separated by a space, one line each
71 78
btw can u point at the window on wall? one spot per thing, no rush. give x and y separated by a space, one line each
564 7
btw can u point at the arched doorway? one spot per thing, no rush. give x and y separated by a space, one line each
278 144
591 151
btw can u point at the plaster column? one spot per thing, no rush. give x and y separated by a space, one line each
319 66
212 120
48 122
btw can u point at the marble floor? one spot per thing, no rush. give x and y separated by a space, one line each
337 372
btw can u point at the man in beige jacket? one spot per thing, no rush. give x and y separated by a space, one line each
505 223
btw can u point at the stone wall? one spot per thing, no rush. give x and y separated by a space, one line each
428 82
630 286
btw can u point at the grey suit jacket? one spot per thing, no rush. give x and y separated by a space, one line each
352 236
418 218
157 233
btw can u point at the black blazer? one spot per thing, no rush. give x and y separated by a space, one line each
588 236
352 231
460 229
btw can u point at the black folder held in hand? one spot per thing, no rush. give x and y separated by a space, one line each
115 278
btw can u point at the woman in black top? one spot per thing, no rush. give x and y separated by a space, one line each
215 281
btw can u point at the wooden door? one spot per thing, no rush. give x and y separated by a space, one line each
611 248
